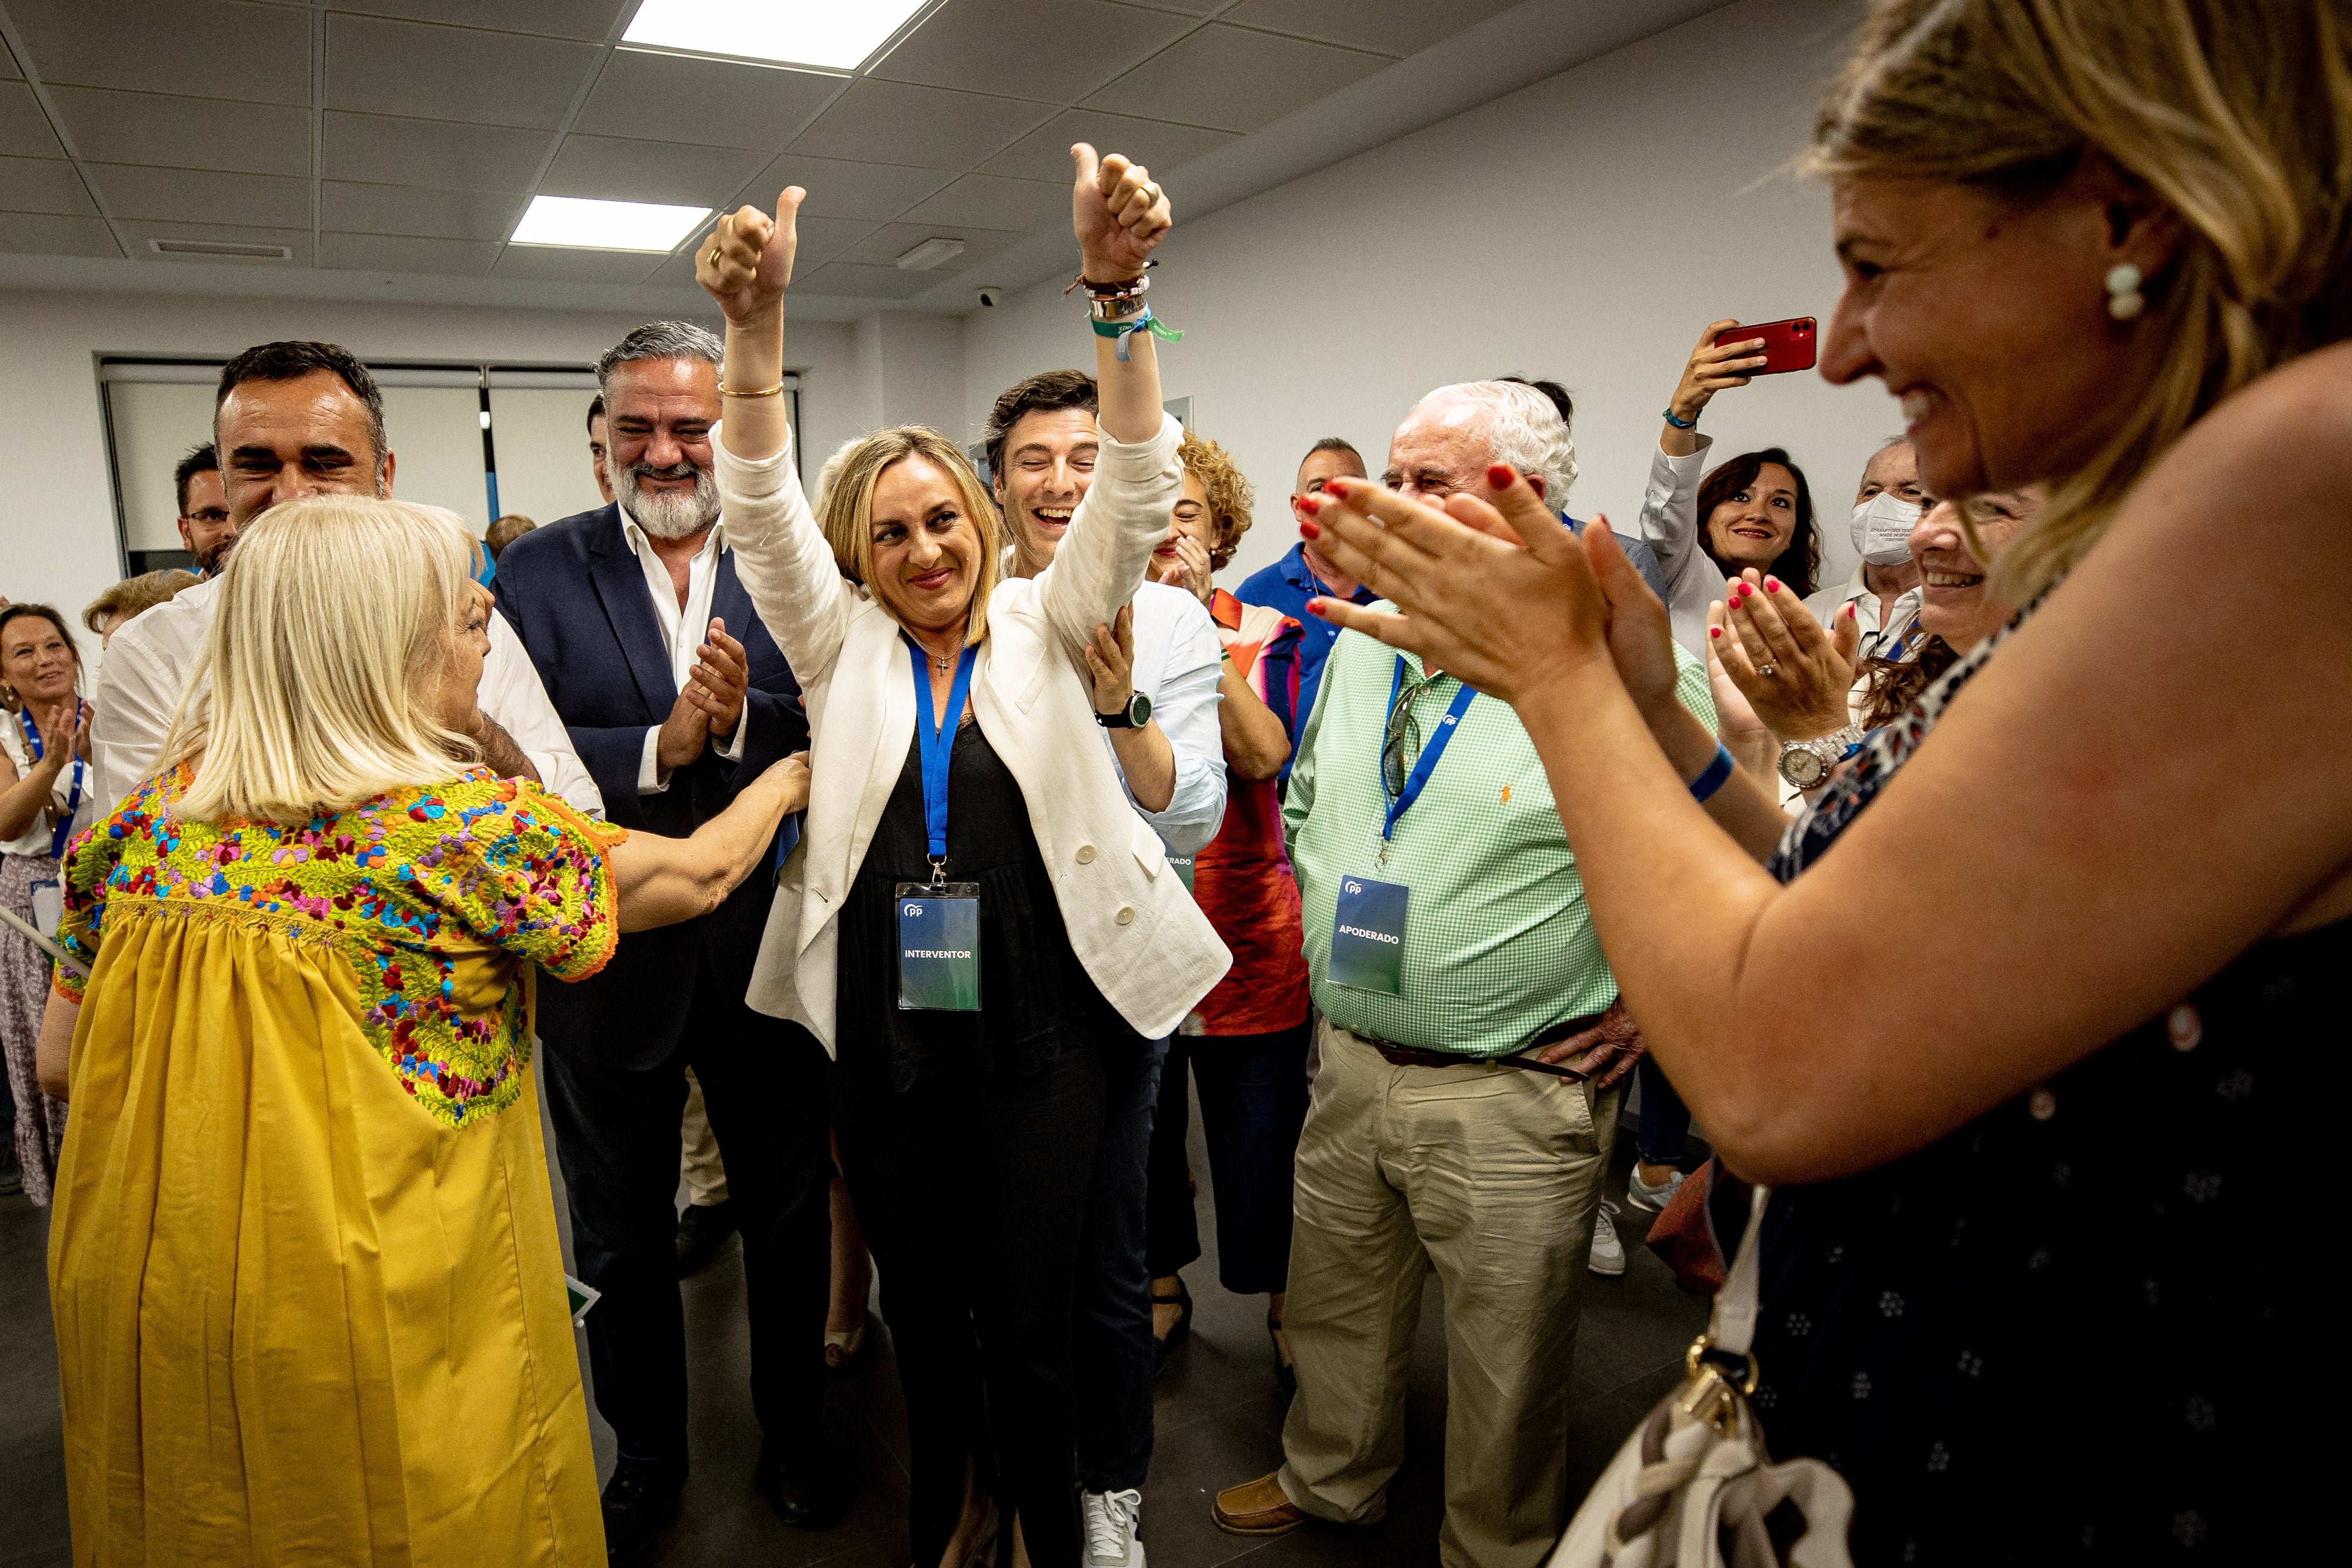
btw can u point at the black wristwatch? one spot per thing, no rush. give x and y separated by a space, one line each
1134 716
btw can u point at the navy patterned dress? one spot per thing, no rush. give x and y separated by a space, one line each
2075 1330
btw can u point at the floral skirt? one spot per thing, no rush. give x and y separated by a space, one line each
40 1129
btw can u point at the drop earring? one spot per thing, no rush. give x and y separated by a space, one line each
2124 299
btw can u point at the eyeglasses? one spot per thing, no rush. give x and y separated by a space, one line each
1401 745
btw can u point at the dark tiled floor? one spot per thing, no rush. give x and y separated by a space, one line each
1220 1419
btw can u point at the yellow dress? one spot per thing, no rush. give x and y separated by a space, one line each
308 1297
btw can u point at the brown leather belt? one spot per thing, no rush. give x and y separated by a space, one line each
1419 1056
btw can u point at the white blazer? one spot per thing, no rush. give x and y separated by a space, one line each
1142 940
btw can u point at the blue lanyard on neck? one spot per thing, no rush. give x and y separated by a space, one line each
1430 752
64 830
936 735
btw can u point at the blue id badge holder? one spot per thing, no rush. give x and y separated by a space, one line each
937 920
1368 927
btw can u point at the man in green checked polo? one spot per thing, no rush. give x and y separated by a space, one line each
1458 973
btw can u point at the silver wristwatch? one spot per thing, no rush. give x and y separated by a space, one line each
1805 763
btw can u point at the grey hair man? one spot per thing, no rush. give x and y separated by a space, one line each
1451 438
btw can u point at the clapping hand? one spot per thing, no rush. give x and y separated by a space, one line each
745 262
719 680
1118 213
1191 570
1798 678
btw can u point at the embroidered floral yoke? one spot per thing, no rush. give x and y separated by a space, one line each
303 1266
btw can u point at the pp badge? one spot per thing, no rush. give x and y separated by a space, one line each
1368 935
939 946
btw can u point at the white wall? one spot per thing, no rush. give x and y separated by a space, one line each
56 514
1583 229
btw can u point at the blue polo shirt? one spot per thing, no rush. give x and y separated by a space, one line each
1286 586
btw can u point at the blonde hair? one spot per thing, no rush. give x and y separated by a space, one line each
849 477
135 596
2237 114
315 691
1228 492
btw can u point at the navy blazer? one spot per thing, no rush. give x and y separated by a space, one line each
577 596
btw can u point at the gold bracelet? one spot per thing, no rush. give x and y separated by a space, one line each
726 391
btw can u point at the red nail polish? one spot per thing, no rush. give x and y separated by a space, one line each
1715 631
1309 505
1500 476
1771 585
1334 486
1309 531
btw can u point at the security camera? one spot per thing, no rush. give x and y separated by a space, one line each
990 297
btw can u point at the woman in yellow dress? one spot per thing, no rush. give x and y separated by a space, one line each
309 1298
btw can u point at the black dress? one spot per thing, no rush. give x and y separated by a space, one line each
2071 1331
1037 999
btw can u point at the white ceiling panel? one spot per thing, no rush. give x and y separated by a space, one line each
838 189
822 239
989 200
24 130
417 211
658 98
616 169
866 282
886 245
42 234
381 149
1230 79
452 73
204 196
295 240
399 252
43 185
1388 27
202 48
175 132
589 19
1044 153
554 264
1050 50
896 122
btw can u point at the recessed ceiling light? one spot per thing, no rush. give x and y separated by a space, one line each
839 34
605 226
933 252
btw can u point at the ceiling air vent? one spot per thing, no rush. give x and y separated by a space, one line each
221 248
932 253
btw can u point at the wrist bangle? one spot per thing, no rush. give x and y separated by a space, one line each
1714 775
726 391
1690 423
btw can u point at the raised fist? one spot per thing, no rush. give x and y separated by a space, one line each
1118 214
746 263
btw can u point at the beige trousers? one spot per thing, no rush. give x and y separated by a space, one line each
1489 1175
706 1179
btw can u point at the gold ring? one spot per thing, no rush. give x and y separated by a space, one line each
713 257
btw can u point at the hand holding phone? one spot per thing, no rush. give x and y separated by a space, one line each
1788 345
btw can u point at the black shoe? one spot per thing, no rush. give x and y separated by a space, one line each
805 1489
1286 1376
640 1500
1182 1300
700 1230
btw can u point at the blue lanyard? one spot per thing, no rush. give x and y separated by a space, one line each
1430 752
936 735
64 830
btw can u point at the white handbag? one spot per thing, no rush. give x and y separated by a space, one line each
1694 1487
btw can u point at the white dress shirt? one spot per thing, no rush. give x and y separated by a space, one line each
1669 525
146 666
1876 636
682 629
1178 665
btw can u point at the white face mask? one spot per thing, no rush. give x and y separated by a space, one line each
1882 529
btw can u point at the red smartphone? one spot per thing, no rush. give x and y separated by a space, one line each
1788 345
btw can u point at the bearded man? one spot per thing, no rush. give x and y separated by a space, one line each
675 697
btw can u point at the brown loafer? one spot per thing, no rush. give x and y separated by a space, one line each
1258 1507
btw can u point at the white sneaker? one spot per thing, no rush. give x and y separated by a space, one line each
1111 1520
1608 1252
1642 1195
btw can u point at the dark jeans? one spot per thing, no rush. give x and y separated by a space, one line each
1252 1103
972 1197
1662 1121
617 1133
1111 1338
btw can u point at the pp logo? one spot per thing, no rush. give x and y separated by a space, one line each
915 909
1350 885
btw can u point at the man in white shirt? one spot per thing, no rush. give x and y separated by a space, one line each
1160 715
294 419
676 697
1887 504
